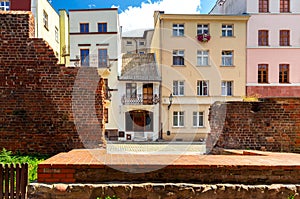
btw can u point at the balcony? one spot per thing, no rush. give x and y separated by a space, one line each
92 60
140 100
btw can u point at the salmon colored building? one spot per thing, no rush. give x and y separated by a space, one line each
273 45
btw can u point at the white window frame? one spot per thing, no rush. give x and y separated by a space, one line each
178 54
202 29
178 30
227 58
198 119
202 88
227 88
129 43
56 35
226 30
178 119
5 5
141 43
45 19
202 58
178 88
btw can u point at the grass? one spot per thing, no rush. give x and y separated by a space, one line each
7 157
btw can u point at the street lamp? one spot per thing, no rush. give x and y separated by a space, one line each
170 104
170 100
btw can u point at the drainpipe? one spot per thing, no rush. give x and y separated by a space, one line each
160 84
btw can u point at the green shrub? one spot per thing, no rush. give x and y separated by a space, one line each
7 157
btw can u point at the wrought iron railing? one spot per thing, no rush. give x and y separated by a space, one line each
140 100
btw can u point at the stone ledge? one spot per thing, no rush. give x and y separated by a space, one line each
163 191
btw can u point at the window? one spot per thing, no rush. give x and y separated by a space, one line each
106 115
202 29
84 57
4 5
178 30
102 58
227 58
178 57
202 58
84 27
263 37
178 88
129 43
142 52
202 88
263 6
262 73
45 19
141 43
227 30
227 88
102 27
284 5
284 38
56 34
131 90
178 119
198 119
284 70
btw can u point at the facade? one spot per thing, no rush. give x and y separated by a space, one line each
47 20
64 38
139 93
273 45
137 45
202 59
95 41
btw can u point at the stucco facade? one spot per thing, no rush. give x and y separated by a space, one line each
91 46
193 105
46 19
140 45
278 51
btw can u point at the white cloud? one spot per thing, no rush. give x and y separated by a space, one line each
137 18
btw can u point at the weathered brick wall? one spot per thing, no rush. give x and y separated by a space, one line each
163 191
44 107
273 125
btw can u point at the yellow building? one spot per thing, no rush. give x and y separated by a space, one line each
202 59
64 38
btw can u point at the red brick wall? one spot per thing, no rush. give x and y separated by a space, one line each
273 125
274 91
44 107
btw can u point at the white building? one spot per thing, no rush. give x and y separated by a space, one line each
95 41
46 19
139 94
137 44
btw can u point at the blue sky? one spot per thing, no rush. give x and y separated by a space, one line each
138 14
206 5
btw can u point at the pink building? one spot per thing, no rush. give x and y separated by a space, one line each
273 45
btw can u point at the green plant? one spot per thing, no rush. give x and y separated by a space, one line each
7 157
108 197
291 196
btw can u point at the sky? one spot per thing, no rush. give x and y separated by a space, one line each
137 15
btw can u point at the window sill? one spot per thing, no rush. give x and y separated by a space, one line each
203 66
199 127
229 66
178 65
178 127
227 37
202 95
174 36
263 82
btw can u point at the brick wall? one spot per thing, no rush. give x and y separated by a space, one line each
272 124
44 107
273 91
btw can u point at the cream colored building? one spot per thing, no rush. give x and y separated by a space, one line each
95 41
64 37
202 59
137 44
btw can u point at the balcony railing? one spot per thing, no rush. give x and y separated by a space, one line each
92 61
140 100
